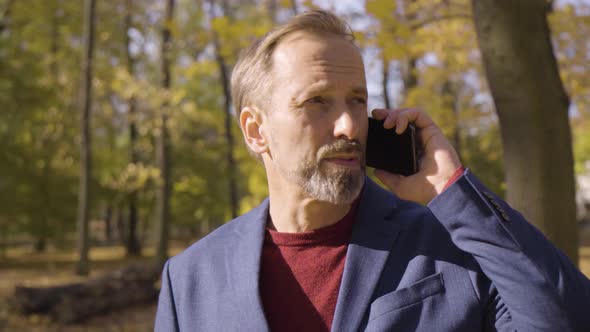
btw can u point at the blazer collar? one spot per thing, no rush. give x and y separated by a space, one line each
372 238
243 263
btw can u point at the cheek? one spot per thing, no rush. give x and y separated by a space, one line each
299 137
286 139
363 125
363 135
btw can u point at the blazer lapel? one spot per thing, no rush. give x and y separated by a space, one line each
243 264
372 239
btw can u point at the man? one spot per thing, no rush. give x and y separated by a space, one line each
331 250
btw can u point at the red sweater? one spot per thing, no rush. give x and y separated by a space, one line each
300 275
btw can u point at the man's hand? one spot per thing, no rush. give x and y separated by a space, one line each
437 165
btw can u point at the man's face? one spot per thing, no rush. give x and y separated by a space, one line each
317 118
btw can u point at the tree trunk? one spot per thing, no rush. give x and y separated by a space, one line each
409 76
85 146
132 244
271 7
230 160
532 106
41 230
108 222
385 82
163 144
451 101
42 226
3 239
409 70
76 302
120 223
55 42
5 15
294 7
229 137
40 244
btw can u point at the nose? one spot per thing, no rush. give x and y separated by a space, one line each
347 125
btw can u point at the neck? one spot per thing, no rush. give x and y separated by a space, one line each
301 215
293 211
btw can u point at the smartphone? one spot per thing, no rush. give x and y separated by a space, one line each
391 152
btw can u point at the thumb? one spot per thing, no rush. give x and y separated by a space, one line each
406 187
393 181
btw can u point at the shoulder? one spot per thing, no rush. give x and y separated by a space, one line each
210 250
420 230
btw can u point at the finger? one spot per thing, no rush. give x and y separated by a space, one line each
402 123
379 113
391 119
404 117
419 118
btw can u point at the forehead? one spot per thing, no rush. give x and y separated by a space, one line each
302 54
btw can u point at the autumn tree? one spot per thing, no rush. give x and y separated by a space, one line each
532 106
163 142
429 59
570 26
224 77
132 243
85 146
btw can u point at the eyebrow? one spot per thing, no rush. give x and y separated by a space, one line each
318 88
321 87
360 90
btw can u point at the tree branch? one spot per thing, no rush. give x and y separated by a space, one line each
5 15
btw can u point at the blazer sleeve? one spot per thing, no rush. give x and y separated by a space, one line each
538 285
166 319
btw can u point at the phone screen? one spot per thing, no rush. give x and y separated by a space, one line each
389 151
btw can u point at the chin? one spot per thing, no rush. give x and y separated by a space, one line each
338 188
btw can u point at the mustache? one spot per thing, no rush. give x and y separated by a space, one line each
342 146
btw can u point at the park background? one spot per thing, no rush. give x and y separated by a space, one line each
118 142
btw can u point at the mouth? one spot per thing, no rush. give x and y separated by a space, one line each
351 161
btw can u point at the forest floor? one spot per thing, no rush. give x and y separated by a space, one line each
21 267
55 267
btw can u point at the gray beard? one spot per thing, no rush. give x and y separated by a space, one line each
329 183
336 186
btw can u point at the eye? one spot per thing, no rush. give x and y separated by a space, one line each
316 100
360 100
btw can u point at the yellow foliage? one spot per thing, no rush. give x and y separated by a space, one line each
172 27
234 35
132 178
570 30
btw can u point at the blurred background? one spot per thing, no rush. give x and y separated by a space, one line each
118 143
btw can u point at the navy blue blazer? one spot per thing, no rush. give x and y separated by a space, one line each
466 262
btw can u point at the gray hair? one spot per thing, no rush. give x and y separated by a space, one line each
251 80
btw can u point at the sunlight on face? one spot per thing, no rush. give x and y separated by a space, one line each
318 118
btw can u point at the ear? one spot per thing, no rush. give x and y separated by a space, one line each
252 123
